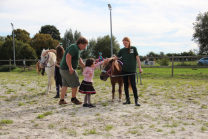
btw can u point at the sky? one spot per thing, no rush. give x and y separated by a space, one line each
152 25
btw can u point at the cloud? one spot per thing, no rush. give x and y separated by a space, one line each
152 24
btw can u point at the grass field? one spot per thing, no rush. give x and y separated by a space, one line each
171 107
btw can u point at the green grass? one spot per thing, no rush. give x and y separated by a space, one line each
90 131
6 121
41 116
179 73
108 127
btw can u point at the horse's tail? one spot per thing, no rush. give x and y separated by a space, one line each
130 88
38 68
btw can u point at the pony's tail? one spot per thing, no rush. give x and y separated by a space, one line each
130 88
38 68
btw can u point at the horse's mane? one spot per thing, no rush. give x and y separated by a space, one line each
107 61
50 53
115 64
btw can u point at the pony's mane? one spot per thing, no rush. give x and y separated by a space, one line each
115 63
107 61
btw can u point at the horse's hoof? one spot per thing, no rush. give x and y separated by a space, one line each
119 100
113 100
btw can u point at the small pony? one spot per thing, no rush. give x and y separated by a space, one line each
113 68
48 61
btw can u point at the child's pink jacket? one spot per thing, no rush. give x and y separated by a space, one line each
89 70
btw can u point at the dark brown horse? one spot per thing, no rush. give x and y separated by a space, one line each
113 68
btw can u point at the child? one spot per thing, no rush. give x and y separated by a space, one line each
86 86
59 54
100 57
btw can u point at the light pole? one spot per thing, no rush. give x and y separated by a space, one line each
110 8
13 43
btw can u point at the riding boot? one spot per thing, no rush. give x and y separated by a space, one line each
127 101
136 102
57 91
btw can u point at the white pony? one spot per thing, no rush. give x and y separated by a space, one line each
48 61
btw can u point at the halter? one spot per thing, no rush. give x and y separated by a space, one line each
46 62
107 72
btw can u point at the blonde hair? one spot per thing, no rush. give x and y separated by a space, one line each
128 40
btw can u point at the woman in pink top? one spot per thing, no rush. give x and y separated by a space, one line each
86 86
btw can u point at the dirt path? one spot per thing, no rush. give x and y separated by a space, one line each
169 109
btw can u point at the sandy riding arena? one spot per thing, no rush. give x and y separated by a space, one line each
170 108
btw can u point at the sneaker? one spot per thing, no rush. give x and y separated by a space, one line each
62 102
90 105
85 105
75 101
57 96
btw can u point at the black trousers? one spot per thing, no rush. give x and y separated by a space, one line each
132 79
58 77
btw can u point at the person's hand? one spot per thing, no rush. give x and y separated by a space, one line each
140 70
71 71
90 74
105 60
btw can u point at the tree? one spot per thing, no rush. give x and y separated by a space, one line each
152 54
7 49
87 52
52 30
20 35
43 41
68 38
76 36
91 45
22 51
200 35
104 45
162 54
2 40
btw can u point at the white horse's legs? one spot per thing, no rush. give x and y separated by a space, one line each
47 92
49 85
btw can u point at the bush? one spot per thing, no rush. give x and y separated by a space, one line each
163 62
6 68
184 64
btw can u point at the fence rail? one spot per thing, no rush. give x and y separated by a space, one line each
173 59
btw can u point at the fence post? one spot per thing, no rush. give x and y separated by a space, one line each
24 64
172 64
10 64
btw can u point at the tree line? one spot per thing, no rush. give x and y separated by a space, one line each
49 37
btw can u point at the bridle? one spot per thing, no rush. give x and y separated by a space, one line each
109 71
46 62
